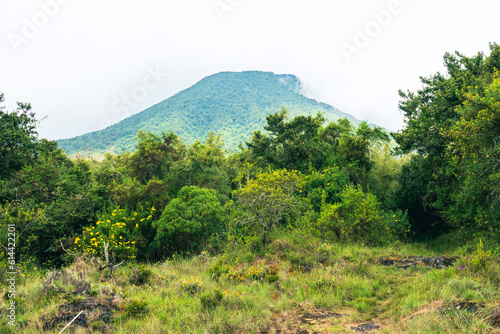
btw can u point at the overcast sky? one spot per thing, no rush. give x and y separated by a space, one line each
86 64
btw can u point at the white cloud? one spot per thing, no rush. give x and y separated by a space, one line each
94 51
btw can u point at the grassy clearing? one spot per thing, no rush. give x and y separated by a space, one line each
293 284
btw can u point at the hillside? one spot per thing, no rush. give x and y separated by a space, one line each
233 104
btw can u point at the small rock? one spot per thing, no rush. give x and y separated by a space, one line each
366 328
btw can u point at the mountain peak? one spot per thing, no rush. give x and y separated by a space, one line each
233 104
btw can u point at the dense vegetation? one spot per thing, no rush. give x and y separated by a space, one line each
231 104
296 223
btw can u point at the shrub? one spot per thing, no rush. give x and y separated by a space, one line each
195 217
478 263
383 177
397 225
325 187
26 221
211 299
118 229
140 275
358 218
136 307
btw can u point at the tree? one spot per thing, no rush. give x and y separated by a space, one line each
155 155
268 201
303 143
19 143
351 149
204 166
453 123
292 144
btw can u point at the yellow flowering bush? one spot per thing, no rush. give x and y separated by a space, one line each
119 229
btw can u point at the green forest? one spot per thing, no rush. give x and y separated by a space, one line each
230 104
312 226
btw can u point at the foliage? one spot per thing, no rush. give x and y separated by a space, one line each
356 217
45 178
481 258
231 104
269 200
290 144
304 144
211 299
130 193
19 138
118 229
384 177
204 166
140 275
453 124
195 217
154 156
397 225
30 225
64 189
136 307
350 149
325 187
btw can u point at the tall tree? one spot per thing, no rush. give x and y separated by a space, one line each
292 144
18 138
452 123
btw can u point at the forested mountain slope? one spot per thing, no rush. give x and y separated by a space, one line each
232 104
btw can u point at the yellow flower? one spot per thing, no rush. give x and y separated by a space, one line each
136 225
77 239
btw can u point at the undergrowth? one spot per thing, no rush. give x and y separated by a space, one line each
333 286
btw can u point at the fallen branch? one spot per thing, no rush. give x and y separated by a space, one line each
62 330
113 267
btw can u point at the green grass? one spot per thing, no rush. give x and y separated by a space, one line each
250 288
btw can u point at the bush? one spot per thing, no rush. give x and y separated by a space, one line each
211 299
325 187
118 229
195 217
136 307
28 222
140 276
358 218
397 225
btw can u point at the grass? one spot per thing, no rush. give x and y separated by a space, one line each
293 283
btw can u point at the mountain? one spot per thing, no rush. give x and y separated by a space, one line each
233 104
